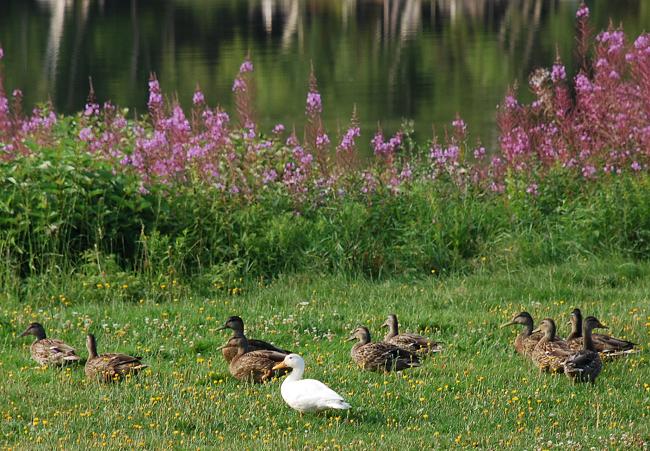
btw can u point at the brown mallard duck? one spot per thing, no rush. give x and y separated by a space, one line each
605 344
585 365
255 366
527 340
380 356
49 351
410 342
229 350
551 352
109 367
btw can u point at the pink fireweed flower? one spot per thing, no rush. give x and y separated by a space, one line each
602 63
262 145
86 134
292 141
41 119
155 96
143 190
246 66
479 153
396 141
369 183
91 109
445 157
532 189
250 131
378 144
558 73
511 102
322 140
406 173
642 42
636 167
306 159
612 40
496 162
583 12
198 98
460 126
515 144
583 84
347 142
269 176
497 187
314 103
239 85
278 129
588 171
17 93
2 53
382 147
195 152
120 123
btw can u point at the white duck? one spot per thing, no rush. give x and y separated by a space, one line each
307 395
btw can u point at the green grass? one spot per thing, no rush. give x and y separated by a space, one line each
477 393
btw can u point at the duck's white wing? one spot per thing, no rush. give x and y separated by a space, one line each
313 389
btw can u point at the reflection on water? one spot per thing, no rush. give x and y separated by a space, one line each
420 59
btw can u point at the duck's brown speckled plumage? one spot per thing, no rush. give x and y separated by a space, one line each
110 367
551 352
410 342
526 341
585 365
607 345
380 356
49 351
229 350
255 366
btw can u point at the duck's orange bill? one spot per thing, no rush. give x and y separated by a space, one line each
280 365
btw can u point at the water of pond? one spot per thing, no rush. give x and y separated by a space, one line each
420 59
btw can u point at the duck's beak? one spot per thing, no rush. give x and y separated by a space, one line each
539 329
24 334
351 338
509 323
384 325
602 326
223 328
280 366
222 347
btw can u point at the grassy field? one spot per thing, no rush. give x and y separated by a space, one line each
477 393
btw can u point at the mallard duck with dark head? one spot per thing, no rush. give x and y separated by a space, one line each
527 340
410 342
605 344
585 365
110 367
49 351
551 352
254 366
229 350
380 356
